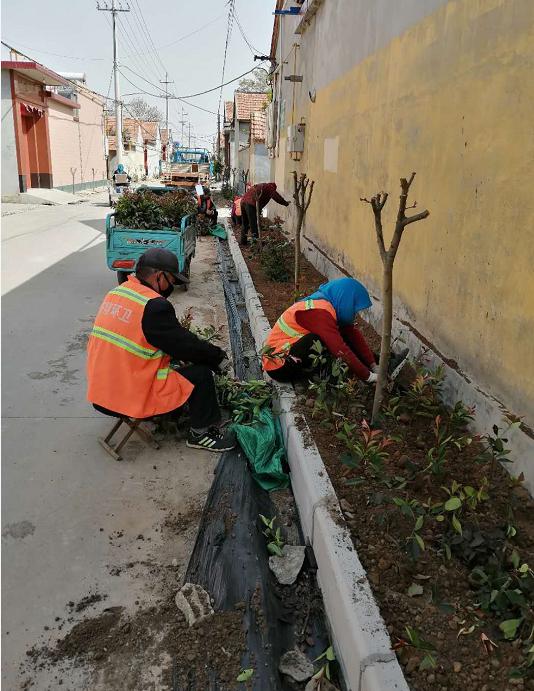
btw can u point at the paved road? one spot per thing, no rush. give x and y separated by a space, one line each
75 522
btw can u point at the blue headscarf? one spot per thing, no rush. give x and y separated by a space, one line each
346 295
120 168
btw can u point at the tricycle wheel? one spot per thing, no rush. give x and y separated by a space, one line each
122 276
187 273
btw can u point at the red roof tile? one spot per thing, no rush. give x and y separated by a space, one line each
246 103
228 111
258 123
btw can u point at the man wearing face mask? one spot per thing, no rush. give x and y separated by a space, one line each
135 336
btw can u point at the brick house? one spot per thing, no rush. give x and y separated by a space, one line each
45 133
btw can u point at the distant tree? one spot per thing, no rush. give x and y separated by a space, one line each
257 82
140 109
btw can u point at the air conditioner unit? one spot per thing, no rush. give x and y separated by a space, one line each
295 138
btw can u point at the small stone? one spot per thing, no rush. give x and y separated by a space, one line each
296 665
174 562
194 603
431 678
412 664
516 682
452 624
287 567
383 564
404 418
321 684
403 461
494 662
420 443
457 667
349 515
345 505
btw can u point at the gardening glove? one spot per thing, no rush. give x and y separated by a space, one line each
373 376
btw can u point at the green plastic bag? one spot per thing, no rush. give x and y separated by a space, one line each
263 446
219 231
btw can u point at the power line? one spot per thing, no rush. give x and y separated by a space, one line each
59 55
139 37
181 98
252 49
231 4
149 35
142 65
85 89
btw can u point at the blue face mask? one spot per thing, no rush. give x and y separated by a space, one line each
346 295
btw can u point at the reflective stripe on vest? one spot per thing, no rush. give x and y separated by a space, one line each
130 294
125 373
284 334
125 343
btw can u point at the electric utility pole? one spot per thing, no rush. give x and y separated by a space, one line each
189 139
118 104
166 82
182 123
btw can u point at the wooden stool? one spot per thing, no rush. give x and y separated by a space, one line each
133 425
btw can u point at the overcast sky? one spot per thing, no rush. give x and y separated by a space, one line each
71 35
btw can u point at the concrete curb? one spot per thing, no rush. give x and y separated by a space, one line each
360 637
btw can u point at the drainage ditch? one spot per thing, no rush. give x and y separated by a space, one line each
230 560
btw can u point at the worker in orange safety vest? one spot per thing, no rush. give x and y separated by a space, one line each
135 336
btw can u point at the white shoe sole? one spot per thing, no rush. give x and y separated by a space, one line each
192 445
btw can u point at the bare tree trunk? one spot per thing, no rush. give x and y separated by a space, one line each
388 258
302 197
385 346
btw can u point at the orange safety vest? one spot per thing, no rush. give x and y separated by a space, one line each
125 373
237 203
287 331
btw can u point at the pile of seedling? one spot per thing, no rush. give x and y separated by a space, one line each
145 210
437 494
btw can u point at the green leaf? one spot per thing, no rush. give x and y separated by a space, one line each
452 504
419 523
420 541
330 655
524 568
245 675
440 518
428 662
510 627
456 524
515 559
273 548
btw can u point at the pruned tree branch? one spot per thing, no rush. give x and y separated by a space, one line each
377 203
302 194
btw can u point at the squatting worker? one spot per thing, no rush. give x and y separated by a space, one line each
262 192
134 338
326 316
206 207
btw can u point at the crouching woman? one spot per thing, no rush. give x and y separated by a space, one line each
327 316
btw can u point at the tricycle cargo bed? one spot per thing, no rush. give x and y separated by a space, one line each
124 246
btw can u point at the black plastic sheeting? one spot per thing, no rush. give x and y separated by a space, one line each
230 559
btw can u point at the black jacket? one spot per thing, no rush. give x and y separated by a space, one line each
162 330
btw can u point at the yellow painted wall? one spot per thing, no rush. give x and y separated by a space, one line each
453 99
